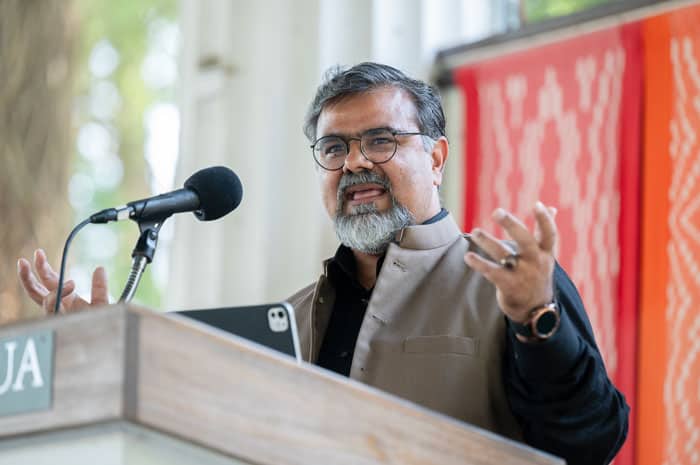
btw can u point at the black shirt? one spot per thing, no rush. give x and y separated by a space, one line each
349 309
351 301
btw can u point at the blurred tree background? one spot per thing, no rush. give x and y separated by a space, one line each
37 62
87 121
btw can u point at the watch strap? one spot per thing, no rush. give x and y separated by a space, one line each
541 324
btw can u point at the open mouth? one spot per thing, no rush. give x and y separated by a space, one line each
363 193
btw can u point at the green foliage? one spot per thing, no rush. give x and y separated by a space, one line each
539 10
125 26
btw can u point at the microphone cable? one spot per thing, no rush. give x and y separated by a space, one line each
61 274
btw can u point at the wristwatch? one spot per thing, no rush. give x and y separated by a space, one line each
541 325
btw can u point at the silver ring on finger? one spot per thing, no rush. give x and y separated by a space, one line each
510 261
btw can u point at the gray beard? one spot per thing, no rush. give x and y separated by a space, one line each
365 228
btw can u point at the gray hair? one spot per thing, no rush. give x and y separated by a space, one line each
341 82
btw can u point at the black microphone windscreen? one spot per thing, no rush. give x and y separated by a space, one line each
219 190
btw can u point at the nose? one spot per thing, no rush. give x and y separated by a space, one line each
356 161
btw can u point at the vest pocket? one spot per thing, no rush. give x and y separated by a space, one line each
441 345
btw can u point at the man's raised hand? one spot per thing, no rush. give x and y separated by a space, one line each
41 284
523 277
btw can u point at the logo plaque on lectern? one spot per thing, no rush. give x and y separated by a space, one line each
26 372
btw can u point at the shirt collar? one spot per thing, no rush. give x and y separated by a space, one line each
441 214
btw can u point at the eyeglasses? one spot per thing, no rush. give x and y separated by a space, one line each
377 145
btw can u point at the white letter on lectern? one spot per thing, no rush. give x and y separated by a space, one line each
29 362
10 348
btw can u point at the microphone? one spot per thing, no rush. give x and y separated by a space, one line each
209 193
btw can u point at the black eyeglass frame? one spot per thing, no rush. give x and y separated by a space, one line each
347 140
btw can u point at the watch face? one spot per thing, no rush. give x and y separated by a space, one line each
546 323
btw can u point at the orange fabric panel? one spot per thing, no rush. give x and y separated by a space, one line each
669 363
655 237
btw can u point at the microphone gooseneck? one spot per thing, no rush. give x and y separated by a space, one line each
138 266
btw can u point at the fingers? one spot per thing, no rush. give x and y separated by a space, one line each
34 289
489 269
517 231
100 293
48 276
546 229
43 292
70 300
41 285
544 238
68 297
529 281
495 248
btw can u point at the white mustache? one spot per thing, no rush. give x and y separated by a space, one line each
363 177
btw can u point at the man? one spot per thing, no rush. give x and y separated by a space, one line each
490 332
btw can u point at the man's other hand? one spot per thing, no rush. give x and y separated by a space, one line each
41 284
528 282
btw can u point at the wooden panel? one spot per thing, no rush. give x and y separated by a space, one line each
246 401
88 370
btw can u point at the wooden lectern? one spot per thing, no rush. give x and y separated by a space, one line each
131 386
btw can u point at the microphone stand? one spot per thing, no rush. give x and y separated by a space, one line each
142 255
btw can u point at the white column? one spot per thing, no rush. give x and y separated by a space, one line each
442 25
205 75
345 32
397 35
480 19
249 70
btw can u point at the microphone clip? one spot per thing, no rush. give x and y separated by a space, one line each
142 255
148 240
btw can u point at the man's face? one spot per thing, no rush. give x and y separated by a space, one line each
412 174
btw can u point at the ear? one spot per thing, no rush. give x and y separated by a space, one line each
438 156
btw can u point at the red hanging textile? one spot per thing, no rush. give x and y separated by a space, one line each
562 123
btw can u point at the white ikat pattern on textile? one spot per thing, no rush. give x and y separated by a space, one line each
518 162
682 381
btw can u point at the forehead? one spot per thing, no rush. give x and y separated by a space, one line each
354 114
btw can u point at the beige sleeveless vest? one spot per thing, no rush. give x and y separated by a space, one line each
432 334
